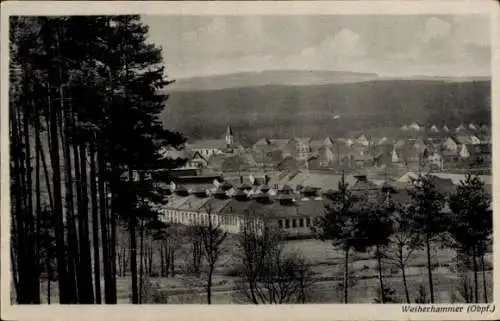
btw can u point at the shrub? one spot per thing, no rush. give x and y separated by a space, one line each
389 294
465 290
422 295
394 269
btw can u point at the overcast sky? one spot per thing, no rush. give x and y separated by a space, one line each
387 45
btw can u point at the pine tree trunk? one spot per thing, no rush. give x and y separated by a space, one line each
34 283
476 286
108 290
403 272
132 222
150 260
346 274
380 275
172 262
95 223
21 215
141 258
41 155
162 262
485 288
167 261
86 257
49 276
112 251
73 254
429 267
65 294
17 235
15 274
38 197
209 284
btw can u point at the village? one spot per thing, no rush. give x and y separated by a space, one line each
289 178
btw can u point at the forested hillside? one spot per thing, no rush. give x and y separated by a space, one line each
284 111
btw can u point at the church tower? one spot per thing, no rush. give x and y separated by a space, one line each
229 137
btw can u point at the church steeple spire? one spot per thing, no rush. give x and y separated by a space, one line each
229 136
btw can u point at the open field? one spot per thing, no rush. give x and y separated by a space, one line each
327 267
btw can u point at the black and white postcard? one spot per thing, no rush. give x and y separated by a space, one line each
254 160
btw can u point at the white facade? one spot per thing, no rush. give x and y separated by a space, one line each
450 144
464 152
228 223
414 126
208 152
434 129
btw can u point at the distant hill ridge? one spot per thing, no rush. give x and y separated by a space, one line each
293 78
270 77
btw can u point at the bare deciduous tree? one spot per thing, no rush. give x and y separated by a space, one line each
268 274
212 238
403 244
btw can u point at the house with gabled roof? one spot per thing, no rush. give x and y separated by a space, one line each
445 128
344 141
420 145
434 160
328 141
415 126
451 144
328 155
434 129
476 154
268 158
382 155
469 139
210 147
302 147
460 128
363 140
408 155
196 161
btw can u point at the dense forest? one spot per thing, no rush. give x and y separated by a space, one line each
287 111
85 95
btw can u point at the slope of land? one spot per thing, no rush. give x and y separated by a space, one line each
270 77
332 109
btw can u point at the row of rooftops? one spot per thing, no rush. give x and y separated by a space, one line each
287 201
307 181
403 148
221 144
434 128
309 207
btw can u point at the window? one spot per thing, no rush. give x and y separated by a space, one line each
280 223
301 222
294 223
287 224
308 222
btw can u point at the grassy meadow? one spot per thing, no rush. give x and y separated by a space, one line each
327 267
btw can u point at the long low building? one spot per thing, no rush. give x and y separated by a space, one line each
294 215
